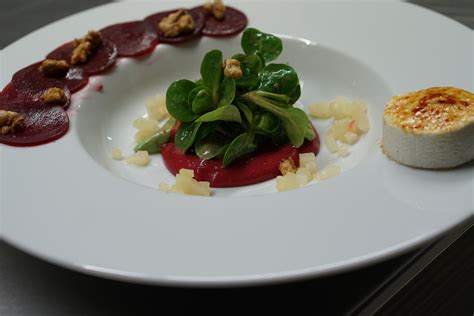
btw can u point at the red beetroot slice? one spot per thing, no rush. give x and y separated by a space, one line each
101 60
30 82
132 39
74 80
234 22
9 94
43 124
199 18
29 88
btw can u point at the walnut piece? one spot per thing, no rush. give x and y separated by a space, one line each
232 68
176 23
93 37
216 8
85 46
80 53
11 122
54 96
54 68
208 7
287 166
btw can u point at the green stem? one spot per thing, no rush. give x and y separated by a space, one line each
253 96
281 98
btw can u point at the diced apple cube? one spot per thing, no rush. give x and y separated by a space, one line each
350 138
320 110
140 158
328 172
331 142
305 176
308 161
145 124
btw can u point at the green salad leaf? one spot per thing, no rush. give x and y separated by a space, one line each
153 143
202 101
279 78
267 45
177 100
211 72
213 145
243 144
186 134
227 91
251 66
228 116
224 113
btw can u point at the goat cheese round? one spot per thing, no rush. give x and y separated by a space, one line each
431 128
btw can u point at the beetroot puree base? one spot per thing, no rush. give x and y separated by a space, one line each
259 167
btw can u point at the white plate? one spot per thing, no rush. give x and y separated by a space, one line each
69 203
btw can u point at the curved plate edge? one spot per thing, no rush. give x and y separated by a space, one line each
249 280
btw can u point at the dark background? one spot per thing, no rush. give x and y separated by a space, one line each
29 286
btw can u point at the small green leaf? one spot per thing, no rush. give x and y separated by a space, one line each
212 146
245 109
251 65
211 72
296 125
278 78
280 100
170 123
202 102
243 144
227 91
153 143
310 133
295 121
177 100
269 46
199 83
206 129
224 113
269 105
280 137
295 95
192 94
267 123
185 135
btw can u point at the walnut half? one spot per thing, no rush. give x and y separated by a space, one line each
216 8
287 166
232 68
176 23
54 96
85 46
11 122
54 68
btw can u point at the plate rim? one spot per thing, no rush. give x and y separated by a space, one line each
248 280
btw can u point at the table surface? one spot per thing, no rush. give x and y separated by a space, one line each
29 286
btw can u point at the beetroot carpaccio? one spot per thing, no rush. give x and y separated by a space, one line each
129 39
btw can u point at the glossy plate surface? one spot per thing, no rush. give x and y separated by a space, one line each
70 203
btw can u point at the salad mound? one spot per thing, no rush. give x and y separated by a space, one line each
240 110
